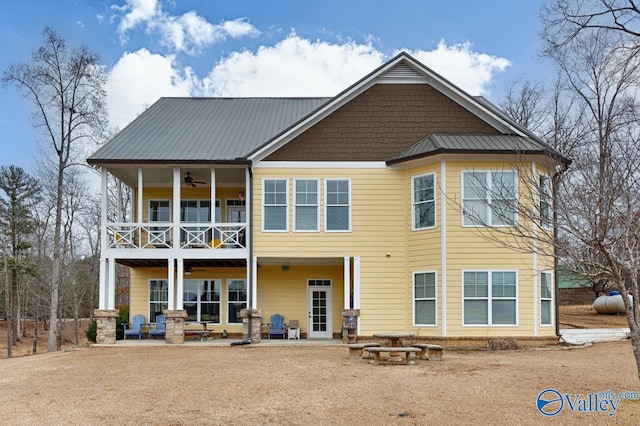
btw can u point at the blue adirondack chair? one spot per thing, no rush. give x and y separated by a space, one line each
276 328
136 327
160 329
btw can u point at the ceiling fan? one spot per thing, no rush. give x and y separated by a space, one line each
188 269
188 180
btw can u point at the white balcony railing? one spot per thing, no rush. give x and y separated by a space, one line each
192 235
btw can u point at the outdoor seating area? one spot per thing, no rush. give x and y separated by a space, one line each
394 350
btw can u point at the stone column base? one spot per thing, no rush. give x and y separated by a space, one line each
106 321
256 318
350 325
175 326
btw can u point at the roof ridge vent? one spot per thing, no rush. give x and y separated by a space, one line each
402 73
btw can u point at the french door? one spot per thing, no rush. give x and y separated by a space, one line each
319 309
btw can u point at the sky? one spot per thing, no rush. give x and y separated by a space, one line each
237 48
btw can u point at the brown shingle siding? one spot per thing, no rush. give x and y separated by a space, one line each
379 124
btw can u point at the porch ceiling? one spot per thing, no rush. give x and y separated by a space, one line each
199 263
163 176
301 261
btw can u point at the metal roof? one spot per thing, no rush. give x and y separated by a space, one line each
472 143
203 129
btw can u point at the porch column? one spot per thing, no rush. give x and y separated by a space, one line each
103 210
356 289
213 205
254 283
102 291
180 286
346 269
140 201
176 208
171 283
111 288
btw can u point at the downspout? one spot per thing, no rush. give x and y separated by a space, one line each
249 239
554 196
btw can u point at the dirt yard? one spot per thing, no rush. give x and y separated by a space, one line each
303 385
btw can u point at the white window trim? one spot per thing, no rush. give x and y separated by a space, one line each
489 202
326 205
490 298
550 299
413 203
413 297
199 301
149 209
549 225
286 205
149 296
228 302
317 205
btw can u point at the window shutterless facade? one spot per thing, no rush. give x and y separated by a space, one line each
237 299
306 210
201 300
337 205
489 198
424 298
275 205
423 201
545 298
490 297
158 298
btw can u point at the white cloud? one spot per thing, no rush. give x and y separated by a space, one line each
188 33
471 71
139 79
138 11
293 67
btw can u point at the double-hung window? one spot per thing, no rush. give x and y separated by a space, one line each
274 205
337 205
490 297
545 298
237 299
158 297
545 201
424 201
306 205
424 294
201 300
489 198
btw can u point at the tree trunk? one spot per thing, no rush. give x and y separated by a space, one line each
35 333
53 343
7 305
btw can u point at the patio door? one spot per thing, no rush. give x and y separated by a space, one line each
319 309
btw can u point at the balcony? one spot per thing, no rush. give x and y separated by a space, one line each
159 235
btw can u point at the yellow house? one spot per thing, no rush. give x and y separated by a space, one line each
393 206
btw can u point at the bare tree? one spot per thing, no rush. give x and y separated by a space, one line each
564 20
66 89
597 198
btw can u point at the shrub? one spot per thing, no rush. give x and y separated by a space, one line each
92 331
123 317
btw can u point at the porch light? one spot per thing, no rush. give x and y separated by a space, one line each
241 195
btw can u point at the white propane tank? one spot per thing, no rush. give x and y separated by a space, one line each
612 304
